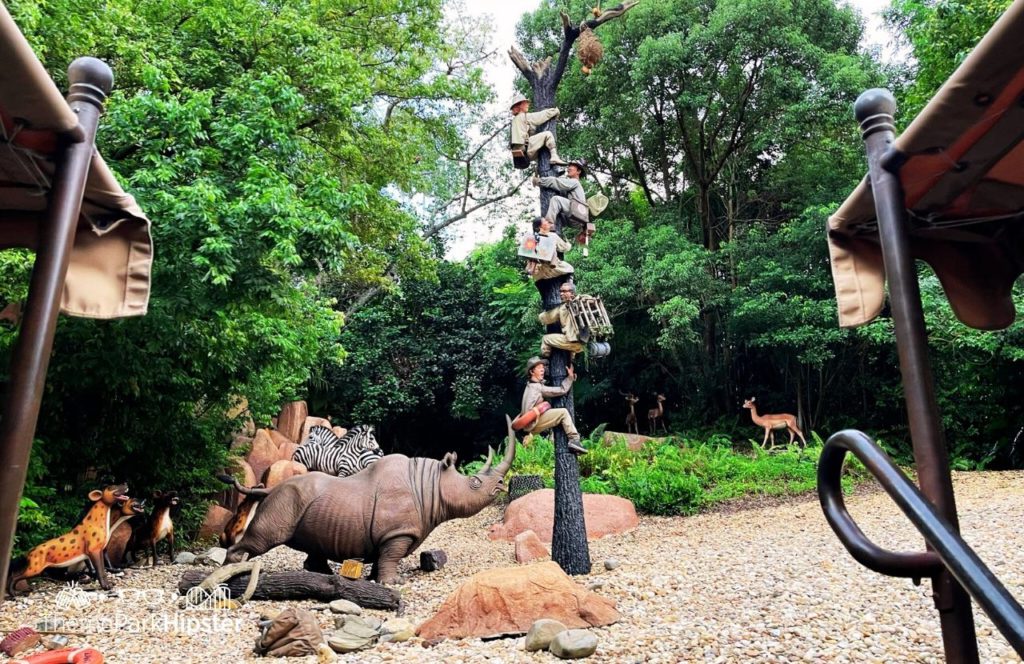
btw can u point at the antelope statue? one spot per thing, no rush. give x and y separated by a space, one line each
655 414
773 423
631 423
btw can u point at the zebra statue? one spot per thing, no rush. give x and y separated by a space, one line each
323 451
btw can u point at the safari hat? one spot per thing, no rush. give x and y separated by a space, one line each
533 362
580 164
519 98
596 204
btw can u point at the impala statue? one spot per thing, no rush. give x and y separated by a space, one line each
655 414
773 423
631 424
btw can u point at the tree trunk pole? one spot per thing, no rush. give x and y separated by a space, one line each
569 546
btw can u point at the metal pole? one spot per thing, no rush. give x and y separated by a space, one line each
874 110
91 81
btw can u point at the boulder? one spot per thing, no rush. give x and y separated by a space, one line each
309 424
290 420
286 451
633 441
185 558
339 431
263 453
241 442
216 518
279 439
280 471
529 547
541 634
573 644
605 515
508 600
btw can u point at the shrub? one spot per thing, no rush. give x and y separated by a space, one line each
681 476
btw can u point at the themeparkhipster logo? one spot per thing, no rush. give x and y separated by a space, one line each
152 610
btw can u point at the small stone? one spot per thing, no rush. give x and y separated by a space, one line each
324 654
397 630
433 560
345 607
185 558
214 556
573 644
541 634
358 627
55 642
344 642
611 564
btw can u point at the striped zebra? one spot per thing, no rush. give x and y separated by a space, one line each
325 452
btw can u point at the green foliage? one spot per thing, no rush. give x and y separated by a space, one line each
272 146
681 476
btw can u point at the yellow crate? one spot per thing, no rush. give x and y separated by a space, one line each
351 569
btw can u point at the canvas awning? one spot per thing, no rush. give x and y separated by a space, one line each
962 175
109 271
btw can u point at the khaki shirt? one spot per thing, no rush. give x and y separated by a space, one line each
536 392
524 124
561 315
557 267
571 187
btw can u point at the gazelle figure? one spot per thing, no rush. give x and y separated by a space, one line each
773 423
655 414
631 423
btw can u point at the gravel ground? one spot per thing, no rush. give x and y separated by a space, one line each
758 584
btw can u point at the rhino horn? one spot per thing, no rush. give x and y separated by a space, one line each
510 452
490 459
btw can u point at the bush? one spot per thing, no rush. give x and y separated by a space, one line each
682 476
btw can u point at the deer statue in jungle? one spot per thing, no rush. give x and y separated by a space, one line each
773 423
631 424
655 414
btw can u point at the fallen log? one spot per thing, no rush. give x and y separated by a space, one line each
303 585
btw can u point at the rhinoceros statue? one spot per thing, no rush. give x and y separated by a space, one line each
380 514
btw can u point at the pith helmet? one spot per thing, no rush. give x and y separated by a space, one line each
519 98
533 362
580 164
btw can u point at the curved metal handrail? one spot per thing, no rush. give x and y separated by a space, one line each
949 549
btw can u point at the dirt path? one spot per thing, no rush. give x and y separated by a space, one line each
762 584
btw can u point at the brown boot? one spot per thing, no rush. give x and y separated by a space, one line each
576 448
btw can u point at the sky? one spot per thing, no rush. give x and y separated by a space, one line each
501 73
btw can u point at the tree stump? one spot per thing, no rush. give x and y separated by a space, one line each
303 585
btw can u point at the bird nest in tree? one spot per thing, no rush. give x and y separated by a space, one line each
589 49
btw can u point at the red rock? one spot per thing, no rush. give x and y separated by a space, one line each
279 438
290 421
277 473
216 518
310 423
529 547
286 451
508 600
263 454
339 431
605 515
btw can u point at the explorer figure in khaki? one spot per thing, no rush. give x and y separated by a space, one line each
536 392
524 124
558 266
569 338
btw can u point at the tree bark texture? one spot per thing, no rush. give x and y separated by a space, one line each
303 585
